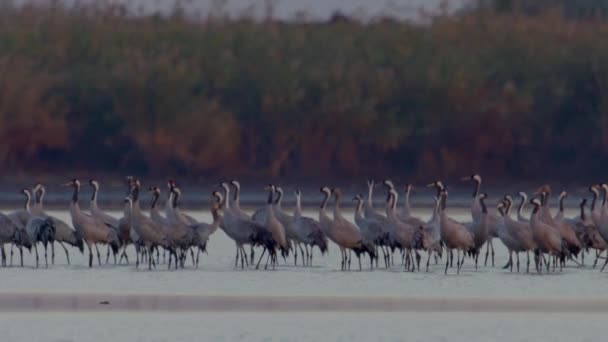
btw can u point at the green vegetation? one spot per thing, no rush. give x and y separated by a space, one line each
507 94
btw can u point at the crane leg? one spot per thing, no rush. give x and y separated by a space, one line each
243 257
492 249
198 253
350 257
458 261
170 257
418 258
53 253
307 263
108 255
428 260
452 259
90 256
385 256
21 254
485 264
597 256
447 262
46 261
12 245
98 255
36 250
3 255
236 259
517 255
605 263
136 256
150 258
67 255
269 258
257 266
359 258
310 257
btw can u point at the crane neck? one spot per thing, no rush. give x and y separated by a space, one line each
593 200
227 197
508 207
359 206
74 194
298 210
325 200
520 209
175 199
337 204
277 202
135 194
154 200
94 195
237 196
583 211
26 205
406 201
477 188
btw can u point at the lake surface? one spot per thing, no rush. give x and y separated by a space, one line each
285 9
221 302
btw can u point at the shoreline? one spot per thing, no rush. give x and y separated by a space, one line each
100 302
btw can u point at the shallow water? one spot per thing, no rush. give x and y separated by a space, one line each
314 288
61 327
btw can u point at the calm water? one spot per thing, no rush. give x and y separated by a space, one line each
286 9
61 327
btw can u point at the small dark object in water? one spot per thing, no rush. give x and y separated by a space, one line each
104 302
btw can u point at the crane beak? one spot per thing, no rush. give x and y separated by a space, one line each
465 179
430 185
67 184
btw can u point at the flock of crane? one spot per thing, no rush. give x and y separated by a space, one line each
552 239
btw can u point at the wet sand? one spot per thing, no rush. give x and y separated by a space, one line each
57 302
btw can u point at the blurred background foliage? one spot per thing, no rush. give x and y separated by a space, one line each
513 89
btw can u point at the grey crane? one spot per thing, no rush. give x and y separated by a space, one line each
244 230
9 233
204 230
476 215
64 234
20 219
308 230
150 233
91 229
548 239
454 235
110 221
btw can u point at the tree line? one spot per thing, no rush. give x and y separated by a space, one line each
512 94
